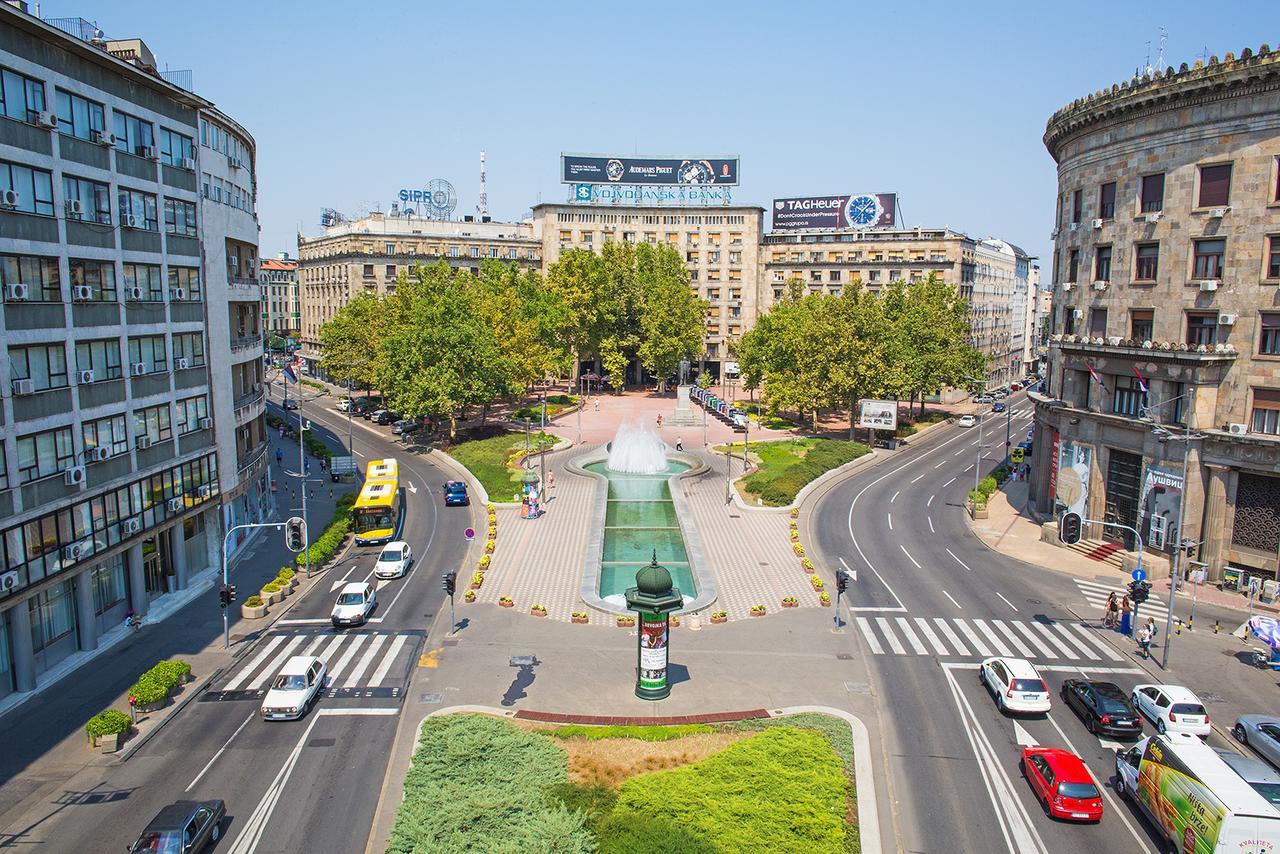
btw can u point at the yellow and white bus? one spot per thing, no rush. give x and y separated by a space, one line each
376 513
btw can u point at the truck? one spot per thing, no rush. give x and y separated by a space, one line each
1196 801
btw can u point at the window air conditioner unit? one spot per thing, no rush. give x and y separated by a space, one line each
144 442
129 221
1053 235
1209 285
75 208
17 292
1226 320
233 162
98 454
189 163
73 551
81 293
102 138
86 377
177 294
1153 216
138 369
135 294
175 504
1218 213
204 423
1077 313
206 491
1237 429
47 120
10 199
1097 223
130 526
1100 285
149 152
181 363
1114 341
73 475
24 387
8 581
1072 226
1066 286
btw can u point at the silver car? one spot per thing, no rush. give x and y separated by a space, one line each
1261 776
1262 733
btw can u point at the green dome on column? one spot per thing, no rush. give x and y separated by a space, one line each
654 579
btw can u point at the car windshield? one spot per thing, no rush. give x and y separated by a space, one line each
290 682
389 555
1112 705
1028 685
167 841
1078 790
1187 709
1270 791
351 599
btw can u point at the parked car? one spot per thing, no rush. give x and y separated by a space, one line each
1103 707
361 408
1016 684
290 403
1262 777
1171 708
997 407
1015 387
344 404
354 605
1027 448
294 689
1261 733
404 425
1062 783
394 560
183 826
967 421
455 494
984 398
386 416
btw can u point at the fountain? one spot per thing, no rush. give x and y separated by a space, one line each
637 450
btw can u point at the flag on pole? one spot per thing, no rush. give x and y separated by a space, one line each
1097 378
293 378
1142 381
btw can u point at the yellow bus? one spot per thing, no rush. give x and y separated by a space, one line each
376 514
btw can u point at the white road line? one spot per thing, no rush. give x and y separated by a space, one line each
929 503
953 601
276 663
314 645
917 477
890 515
895 496
961 451
330 648
1106 648
948 483
931 530
1046 668
1013 639
378 675
872 642
958 560
221 750
254 663
945 628
347 655
1006 601
941 464
256 824
978 646
1072 641
912 638
343 580
969 469
1052 638
909 557
362 665
894 643
1035 640
995 639
380 712
885 609
925 629
318 621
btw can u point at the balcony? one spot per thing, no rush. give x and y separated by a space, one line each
250 464
1156 351
248 399
246 342
241 289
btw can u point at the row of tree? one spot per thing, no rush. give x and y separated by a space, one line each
816 351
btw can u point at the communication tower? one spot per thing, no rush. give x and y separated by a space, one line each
483 207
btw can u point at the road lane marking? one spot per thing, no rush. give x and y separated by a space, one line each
995 639
978 645
948 483
1022 648
1106 648
347 655
917 477
1045 668
343 580
969 469
929 503
925 629
953 601
1006 601
330 648
378 675
221 750
317 621
911 636
1072 640
895 496
256 824
1052 638
254 663
894 643
931 531
1024 738
890 515
945 627
941 464
872 642
910 558
1034 639
274 666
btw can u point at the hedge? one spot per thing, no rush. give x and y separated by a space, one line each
327 544
643 733
109 722
254 601
158 682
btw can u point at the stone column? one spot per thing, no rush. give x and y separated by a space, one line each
22 649
1216 528
139 600
86 619
178 556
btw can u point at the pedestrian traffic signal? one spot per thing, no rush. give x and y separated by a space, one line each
295 534
231 593
842 582
1070 527
224 596
1139 591
450 583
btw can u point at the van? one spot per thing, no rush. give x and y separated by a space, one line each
1194 798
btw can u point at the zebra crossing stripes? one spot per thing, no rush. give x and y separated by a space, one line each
348 656
949 637
1095 593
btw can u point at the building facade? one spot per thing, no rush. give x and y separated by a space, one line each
368 254
281 313
1165 330
111 469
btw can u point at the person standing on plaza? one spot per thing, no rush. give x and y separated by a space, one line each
1112 612
597 403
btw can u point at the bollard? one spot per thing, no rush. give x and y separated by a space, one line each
1177 629
1191 622
1215 627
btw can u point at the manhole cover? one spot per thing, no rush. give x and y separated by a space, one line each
1210 697
522 660
858 687
844 656
1033 602
322 742
428 699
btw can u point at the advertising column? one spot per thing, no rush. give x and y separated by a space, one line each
652 678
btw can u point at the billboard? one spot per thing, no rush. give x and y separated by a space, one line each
878 414
1073 477
668 171
1158 509
858 210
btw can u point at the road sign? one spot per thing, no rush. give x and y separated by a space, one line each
1139 574
1017 454
470 534
1031 433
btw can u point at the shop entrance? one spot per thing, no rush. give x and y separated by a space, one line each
1124 473
155 564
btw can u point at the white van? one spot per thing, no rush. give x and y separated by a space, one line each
1195 799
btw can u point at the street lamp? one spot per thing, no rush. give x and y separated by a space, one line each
977 462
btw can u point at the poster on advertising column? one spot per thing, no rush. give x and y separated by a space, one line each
1158 509
653 651
1073 477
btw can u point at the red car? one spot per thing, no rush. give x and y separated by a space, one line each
1062 783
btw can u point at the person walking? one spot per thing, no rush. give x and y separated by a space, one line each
597 403
1144 640
1112 612
279 457
659 419
679 444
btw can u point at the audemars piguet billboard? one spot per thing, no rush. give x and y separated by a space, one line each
603 169
860 210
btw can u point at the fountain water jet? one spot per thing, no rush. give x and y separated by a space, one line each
636 449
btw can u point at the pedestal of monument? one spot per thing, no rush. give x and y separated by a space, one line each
684 414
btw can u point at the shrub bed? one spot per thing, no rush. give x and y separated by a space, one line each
787 466
905 430
490 460
643 733
109 722
159 682
327 544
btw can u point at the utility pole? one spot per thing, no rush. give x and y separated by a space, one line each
542 456
977 469
1179 543
302 482
350 444
1008 430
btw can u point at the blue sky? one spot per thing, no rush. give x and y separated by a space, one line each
944 103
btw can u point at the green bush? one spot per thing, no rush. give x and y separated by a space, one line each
490 460
285 573
563 399
480 784
109 722
254 601
315 447
330 540
787 466
157 683
643 733
271 587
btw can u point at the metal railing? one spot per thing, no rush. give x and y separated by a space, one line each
249 399
246 342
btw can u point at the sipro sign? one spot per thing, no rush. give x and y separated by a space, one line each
860 210
415 196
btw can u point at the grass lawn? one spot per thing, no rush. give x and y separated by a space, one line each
556 403
759 413
905 430
787 465
490 460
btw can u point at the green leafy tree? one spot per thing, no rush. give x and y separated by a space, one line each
350 339
672 317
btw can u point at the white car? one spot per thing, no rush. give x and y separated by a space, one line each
394 560
355 603
344 404
294 689
1171 708
967 421
1016 684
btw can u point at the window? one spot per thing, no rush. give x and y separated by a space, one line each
1208 259
44 454
1202 328
39 274
1266 411
189 346
1273 257
391 271
1098 322
1269 344
147 277
1073 266
1148 262
511 254
368 271
1102 264
4 475
34 187
1176 396
149 350
107 433
475 251
44 364
94 198
1152 196
1215 185
52 614
133 135
138 210
1127 396
180 217
153 422
79 117
1107 201
101 357
108 584
454 252
175 148
1077 200
1141 323
835 275
1068 320
21 97
187 278
190 411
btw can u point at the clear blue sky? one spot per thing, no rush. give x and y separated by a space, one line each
944 103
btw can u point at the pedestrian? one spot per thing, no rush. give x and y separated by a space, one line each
1144 640
1124 615
324 463
281 431
679 444
597 403
551 483
1112 611
279 457
659 419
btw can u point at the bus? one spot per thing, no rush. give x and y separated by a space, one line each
376 514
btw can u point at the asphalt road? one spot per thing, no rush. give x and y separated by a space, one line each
929 602
311 784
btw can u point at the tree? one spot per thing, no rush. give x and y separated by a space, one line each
578 282
672 317
350 339
931 323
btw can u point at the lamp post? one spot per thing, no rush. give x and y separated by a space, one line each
542 453
302 484
977 461
226 577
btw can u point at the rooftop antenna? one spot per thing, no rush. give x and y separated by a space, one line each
483 207
1164 35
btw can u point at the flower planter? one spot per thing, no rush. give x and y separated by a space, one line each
271 598
108 743
626 622
538 612
582 621
675 621
718 620
506 603
253 612
144 708
758 613
285 591
470 596
826 603
475 586
791 604
817 587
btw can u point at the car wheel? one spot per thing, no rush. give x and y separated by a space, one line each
1121 789
216 832
1160 726
1000 703
1092 726
1238 732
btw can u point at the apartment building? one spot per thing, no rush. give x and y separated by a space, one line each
281 314
112 471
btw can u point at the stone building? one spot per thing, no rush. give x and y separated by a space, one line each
1166 321
281 314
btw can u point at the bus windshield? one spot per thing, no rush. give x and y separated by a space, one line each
375 519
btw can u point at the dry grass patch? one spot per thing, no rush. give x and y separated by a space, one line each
611 761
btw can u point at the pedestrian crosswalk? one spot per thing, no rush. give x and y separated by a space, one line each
1095 593
1047 640
358 663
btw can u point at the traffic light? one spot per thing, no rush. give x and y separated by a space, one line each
231 593
1139 591
842 582
224 596
295 534
450 583
1070 527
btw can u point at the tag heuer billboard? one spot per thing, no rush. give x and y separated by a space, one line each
859 210
669 171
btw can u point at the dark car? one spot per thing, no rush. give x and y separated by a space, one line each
386 416
183 826
455 494
359 407
1103 707
997 407
291 403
